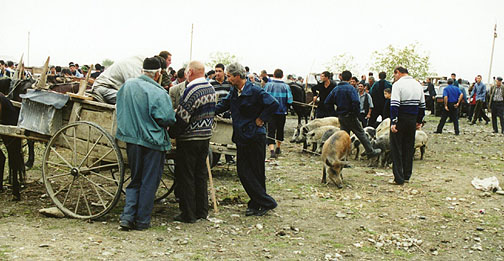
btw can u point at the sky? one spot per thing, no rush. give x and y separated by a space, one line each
296 36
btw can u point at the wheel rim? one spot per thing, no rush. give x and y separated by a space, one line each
166 185
78 167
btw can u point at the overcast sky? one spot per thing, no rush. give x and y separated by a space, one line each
296 36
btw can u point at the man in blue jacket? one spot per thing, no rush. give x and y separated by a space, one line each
346 98
452 97
250 106
144 111
480 91
282 93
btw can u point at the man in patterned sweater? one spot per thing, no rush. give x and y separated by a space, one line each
193 130
407 109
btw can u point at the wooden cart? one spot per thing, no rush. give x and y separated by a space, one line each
83 164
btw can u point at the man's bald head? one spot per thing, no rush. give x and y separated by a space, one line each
195 70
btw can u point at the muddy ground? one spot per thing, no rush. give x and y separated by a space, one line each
438 216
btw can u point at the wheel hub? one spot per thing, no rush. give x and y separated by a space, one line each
74 172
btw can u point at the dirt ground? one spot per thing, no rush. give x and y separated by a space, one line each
438 216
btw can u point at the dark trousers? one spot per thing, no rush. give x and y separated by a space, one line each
192 175
321 111
402 147
146 166
453 114
471 111
251 171
479 111
429 102
363 120
351 123
497 112
276 128
374 114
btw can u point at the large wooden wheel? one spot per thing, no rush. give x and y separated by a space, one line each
83 170
167 183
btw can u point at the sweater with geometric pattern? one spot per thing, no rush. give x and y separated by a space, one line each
196 109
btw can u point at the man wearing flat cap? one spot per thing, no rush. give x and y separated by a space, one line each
144 111
496 105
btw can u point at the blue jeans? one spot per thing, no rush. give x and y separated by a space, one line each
146 167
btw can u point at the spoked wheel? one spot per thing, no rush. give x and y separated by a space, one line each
78 170
166 185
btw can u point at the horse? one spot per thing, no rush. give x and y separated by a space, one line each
299 96
9 115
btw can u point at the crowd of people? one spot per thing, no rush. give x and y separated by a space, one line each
156 104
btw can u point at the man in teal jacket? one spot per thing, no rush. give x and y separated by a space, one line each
144 111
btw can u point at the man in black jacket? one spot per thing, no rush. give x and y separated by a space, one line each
378 98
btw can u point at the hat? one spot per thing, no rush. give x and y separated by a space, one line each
499 79
151 64
71 64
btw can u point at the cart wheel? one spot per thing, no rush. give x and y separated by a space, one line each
167 184
213 157
77 169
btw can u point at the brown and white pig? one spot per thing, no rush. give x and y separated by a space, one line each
334 153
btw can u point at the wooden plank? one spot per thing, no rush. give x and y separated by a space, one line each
94 105
14 131
81 97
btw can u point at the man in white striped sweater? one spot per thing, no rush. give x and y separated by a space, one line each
407 109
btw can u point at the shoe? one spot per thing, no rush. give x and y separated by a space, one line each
125 225
273 155
486 122
437 132
262 211
181 218
373 153
278 151
251 212
392 182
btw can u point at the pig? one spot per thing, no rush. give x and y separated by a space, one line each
383 127
325 137
421 139
314 137
382 142
301 131
334 153
357 145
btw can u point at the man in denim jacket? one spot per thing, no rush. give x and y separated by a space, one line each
250 106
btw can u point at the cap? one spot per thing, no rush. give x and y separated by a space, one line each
151 63
499 79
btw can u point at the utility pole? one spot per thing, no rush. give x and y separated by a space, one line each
491 55
190 53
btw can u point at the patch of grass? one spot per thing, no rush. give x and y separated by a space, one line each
493 220
4 249
402 253
158 228
198 257
447 215
368 249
